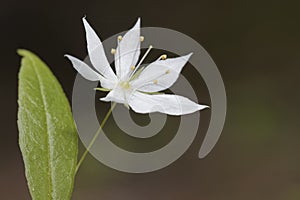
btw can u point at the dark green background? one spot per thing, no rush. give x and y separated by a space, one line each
256 47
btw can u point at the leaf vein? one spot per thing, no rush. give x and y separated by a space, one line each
47 123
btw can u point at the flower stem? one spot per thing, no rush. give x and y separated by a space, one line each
95 137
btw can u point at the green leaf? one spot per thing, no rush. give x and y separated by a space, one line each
47 132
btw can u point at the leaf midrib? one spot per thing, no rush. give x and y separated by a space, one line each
47 122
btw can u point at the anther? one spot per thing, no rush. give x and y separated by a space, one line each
164 57
142 38
120 37
113 51
132 67
155 81
168 71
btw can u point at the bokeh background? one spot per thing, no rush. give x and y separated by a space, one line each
256 47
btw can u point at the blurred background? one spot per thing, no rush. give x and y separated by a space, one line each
255 44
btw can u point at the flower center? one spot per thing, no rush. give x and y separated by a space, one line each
125 85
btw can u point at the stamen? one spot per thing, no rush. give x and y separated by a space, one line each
113 51
132 75
132 67
120 37
119 52
154 79
144 56
137 73
142 38
162 57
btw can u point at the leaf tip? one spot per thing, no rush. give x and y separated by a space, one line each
22 52
25 53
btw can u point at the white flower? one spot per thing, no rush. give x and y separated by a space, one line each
133 85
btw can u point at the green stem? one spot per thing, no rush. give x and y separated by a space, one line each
95 137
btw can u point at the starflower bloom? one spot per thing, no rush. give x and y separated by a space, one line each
134 85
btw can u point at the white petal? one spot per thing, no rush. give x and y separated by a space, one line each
128 51
89 73
97 53
160 74
116 95
163 103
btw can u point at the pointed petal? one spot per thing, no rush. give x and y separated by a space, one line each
88 73
160 74
128 51
163 103
84 69
116 95
97 53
